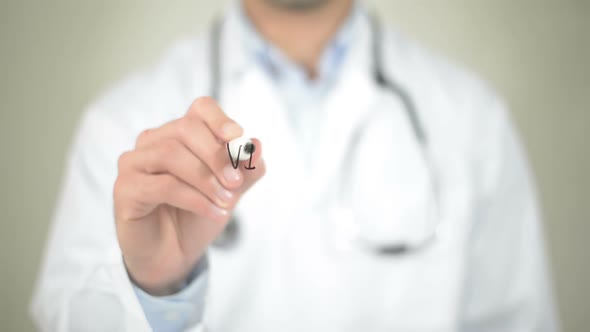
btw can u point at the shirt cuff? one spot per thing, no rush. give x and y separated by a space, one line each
178 311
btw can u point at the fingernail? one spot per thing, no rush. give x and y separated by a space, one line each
231 130
224 195
219 212
231 174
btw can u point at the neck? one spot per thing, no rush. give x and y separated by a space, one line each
301 34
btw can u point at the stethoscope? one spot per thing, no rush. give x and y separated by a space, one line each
230 235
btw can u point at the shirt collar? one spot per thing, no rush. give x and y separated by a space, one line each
255 50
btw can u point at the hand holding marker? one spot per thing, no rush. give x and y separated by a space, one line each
175 192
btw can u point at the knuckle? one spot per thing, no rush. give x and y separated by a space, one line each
122 190
122 199
143 137
144 188
205 101
123 160
183 128
166 150
117 188
202 103
124 214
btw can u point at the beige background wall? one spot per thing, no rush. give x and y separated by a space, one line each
55 56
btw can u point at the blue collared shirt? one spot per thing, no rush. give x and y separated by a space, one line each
301 96
178 311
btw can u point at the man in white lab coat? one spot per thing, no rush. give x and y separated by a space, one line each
388 190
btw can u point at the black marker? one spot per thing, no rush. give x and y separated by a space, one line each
241 149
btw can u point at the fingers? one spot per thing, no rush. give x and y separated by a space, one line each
143 192
175 173
207 110
195 134
171 156
185 164
170 161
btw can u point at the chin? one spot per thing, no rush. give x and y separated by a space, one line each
298 4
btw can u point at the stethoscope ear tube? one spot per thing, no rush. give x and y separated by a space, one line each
214 58
383 81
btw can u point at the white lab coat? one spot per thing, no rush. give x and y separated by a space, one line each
296 266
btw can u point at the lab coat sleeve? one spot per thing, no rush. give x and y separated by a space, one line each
176 312
507 284
83 284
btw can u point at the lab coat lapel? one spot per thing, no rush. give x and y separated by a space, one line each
345 110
